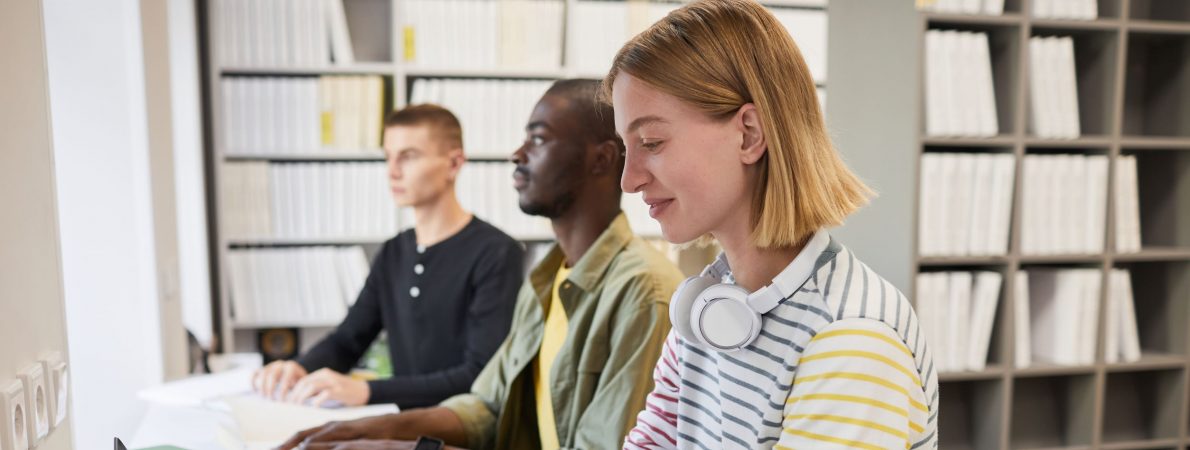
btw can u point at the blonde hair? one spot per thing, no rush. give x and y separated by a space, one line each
718 55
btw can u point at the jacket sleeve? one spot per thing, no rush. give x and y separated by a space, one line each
635 346
479 409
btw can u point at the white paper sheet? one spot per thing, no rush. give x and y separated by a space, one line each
268 423
196 391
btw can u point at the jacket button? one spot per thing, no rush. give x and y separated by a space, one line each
418 269
414 292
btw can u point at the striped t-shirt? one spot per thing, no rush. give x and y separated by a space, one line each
839 364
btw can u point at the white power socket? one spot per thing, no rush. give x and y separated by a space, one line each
14 418
37 401
57 386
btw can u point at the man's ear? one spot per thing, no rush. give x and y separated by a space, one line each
753 145
456 159
605 158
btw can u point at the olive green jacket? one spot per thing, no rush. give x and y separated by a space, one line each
616 299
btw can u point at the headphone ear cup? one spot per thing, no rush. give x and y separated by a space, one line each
681 303
722 319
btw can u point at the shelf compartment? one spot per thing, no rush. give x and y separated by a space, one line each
1158 444
991 372
1095 61
1157 85
1151 143
353 69
1084 260
952 19
1160 10
1149 361
970 415
1042 369
369 155
1082 142
1077 25
302 242
1160 292
962 261
516 73
1150 254
1004 46
1164 190
1052 411
1000 142
1140 406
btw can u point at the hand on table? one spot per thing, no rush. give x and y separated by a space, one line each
367 444
327 386
375 427
275 380
288 381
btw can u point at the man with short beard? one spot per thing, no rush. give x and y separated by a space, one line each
589 322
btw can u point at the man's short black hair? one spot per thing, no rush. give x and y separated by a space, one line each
597 118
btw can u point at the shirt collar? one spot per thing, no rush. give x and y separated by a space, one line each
589 270
791 278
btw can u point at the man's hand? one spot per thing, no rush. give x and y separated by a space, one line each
363 444
368 445
326 385
276 379
376 427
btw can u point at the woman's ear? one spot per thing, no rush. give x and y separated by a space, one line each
753 145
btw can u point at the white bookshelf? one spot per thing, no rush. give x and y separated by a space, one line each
377 31
1131 68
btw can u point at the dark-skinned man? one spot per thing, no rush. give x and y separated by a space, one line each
589 322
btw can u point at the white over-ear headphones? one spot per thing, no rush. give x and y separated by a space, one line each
726 317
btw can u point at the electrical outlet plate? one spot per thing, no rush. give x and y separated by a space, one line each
14 431
62 391
37 401
57 390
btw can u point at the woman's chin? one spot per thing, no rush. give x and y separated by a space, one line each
677 236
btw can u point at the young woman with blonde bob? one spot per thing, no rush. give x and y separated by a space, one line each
787 340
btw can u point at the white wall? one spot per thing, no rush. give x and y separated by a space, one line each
188 171
32 320
101 152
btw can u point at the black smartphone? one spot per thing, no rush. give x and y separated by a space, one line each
428 443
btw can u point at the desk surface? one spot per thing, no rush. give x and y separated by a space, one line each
219 412
191 428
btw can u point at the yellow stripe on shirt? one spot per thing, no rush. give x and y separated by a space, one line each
862 354
851 398
834 440
861 400
872 334
850 421
862 377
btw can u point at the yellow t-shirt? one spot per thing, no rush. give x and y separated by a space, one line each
555 334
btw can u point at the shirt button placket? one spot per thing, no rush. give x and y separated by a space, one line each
418 269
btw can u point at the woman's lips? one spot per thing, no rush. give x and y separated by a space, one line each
658 206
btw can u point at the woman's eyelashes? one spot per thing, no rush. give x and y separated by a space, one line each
651 145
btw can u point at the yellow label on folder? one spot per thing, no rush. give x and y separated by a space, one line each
410 44
328 128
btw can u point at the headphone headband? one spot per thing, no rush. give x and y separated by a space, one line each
768 297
